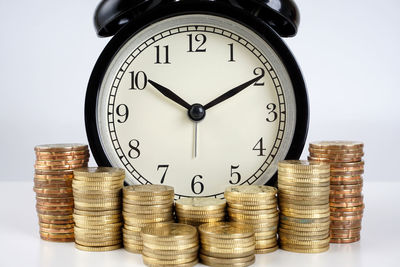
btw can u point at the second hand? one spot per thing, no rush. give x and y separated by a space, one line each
195 139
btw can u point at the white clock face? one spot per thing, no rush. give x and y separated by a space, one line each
198 58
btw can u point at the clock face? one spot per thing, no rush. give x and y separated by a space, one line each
198 58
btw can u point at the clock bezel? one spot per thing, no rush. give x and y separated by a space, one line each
216 9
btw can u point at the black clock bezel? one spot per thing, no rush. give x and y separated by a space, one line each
211 8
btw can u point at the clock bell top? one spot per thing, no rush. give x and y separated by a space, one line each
281 15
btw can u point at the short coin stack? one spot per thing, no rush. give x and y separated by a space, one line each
303 191
144 205
53 187
196 211
227 244
97 213
256 205
170 244
346 199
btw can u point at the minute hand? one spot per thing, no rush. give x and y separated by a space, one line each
231 93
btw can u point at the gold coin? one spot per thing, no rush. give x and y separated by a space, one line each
168 231
285 219
137 209
149 260
226 255
284 236
60 147
98 244
213 261
203 218
255 222
133 249
266 250
96 213
304 226
304 250
260 216
252 212
251 191
200 212
302 232
133 220
169 257
250 202
168 247
292 188
148 202
148 190
171 252
60 162
168 264
320 242
200 216
99 172
302 166
228 245
338 145
253 207
234 250
103 227
226 230
335 151
304 215
200 204
105 248
300 207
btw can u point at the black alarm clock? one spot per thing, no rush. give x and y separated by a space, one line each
196 94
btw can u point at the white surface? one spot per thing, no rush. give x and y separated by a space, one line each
348 51
21 245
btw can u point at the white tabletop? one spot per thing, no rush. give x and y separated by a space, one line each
20 244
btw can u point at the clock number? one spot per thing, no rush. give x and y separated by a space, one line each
260 72
231 59
122 111
134 151
271 107
199 185
260 147
165 167
238 176
138 80
199 38
158 61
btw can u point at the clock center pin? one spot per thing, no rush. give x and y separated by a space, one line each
197 112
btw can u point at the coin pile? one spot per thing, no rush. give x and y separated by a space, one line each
255 205
53 187
170 244
144 205
97 213
227 244
303 191
196 211
346 199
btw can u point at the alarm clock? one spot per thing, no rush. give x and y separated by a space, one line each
196 94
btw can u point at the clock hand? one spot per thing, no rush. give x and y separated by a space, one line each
231 93
171 95
195 138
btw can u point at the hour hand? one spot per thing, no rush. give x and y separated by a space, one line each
171 95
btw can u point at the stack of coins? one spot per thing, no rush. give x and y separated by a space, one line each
170 244
97 213
144 205
346 199
53 187
303 191
257 206
227 244
196 211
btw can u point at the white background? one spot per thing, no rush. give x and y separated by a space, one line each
348 51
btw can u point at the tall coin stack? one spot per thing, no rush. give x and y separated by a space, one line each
346 199
170 244
144 205
255 205
97 213
196 211
303 191
227 244
53 187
